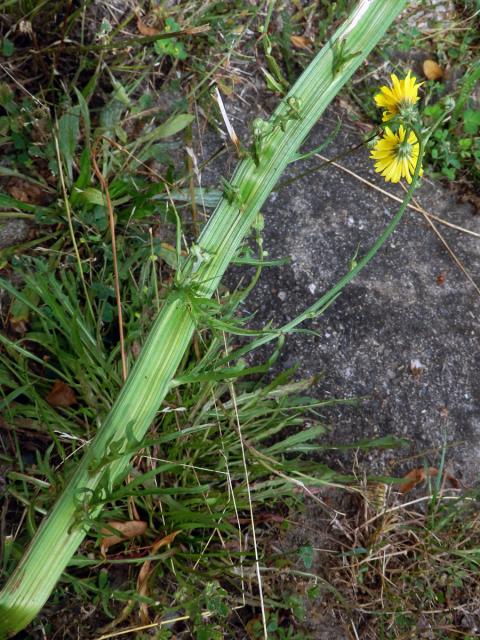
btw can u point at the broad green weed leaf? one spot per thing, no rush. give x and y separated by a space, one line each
7 47
471 121
68 131
306 556
174 125
93 196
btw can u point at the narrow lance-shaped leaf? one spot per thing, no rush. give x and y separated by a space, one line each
275 143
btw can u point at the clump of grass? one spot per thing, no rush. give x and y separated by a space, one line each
187 477
409 565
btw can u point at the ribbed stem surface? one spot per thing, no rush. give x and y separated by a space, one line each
134 410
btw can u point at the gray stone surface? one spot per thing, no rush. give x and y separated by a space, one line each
403 335
13 232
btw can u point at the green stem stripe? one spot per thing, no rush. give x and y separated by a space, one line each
59 536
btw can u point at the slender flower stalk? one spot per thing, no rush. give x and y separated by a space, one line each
274 145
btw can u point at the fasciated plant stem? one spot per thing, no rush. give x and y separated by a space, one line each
107 459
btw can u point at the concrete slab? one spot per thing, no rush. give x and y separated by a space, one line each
404 334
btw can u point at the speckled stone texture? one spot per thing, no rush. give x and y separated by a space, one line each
13 232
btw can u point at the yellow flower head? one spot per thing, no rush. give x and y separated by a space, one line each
402 95
396 155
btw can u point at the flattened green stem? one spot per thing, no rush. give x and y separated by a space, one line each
276 143
60 535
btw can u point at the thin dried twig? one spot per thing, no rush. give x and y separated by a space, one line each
68 211
111 220
415 207
446 245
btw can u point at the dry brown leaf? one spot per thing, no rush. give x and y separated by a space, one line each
19 194
145 571
191 31
456 484
126 530
300 42
416 476
145 29
27 192
61 395
432 70
19 325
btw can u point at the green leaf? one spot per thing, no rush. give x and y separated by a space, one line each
83 177
471 121
7 47
387 442
120 93
6 97
272 84
174 125
8 202
306 555
297 440
68 131
93 196
85 113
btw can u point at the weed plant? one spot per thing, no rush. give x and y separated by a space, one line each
188 482
193 564
188 476
412 570
450 39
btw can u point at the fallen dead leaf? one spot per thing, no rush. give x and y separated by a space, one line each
432 70
145 571
417 476
300 42
145 29
19 325
261 517
27 192
126 530
61 395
